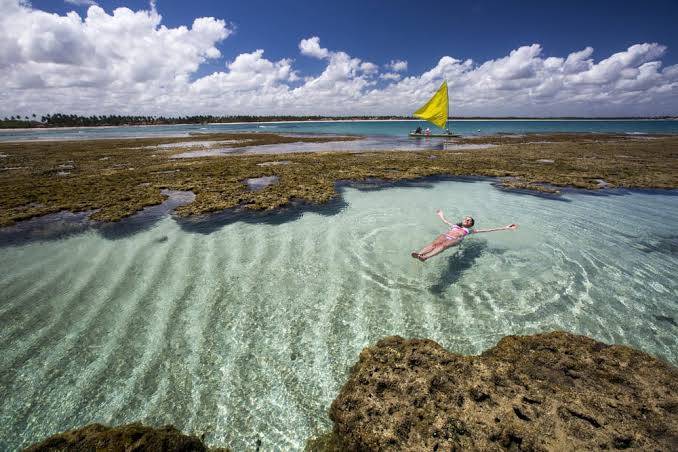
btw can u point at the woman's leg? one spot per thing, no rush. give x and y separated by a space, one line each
433 252
427 248
437 250
440 240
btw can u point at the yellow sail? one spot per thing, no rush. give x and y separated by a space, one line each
435 110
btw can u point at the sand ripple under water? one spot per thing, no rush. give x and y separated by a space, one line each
248 332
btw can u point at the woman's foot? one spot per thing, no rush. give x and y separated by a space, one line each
418 256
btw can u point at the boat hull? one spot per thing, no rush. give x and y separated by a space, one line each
433 135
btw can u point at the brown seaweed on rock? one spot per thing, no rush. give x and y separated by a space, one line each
130 437
116 178
554 391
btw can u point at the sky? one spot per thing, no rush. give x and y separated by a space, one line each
500 58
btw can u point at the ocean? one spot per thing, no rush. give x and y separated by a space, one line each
363 128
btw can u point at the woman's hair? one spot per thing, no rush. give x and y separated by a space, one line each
460 224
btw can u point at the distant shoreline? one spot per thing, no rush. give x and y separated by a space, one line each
631 119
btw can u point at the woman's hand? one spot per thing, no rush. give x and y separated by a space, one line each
512 226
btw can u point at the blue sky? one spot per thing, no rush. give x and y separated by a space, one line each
380 31
434 41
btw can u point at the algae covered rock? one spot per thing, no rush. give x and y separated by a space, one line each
554 391
136 437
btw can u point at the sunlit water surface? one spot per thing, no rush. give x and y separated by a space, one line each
247 332
374 129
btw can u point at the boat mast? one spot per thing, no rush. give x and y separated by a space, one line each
448 110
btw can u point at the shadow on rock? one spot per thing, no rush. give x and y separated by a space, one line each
621 191
206 224
375 184
48 227
147 218
534 193
65 224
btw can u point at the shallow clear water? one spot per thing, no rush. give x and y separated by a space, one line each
381 143
368 128
247 332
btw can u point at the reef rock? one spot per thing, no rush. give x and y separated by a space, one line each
130 437
554 391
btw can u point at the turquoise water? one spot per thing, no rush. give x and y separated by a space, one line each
246 330
368 128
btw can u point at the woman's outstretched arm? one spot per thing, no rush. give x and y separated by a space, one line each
510 226
442 217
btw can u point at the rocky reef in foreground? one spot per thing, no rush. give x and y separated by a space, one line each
555 391
130 437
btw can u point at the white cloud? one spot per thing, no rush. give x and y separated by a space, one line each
369 68
129 62
521 63
397 65
248 72
622 65
578 61
118 49
311 47
390 76
81 2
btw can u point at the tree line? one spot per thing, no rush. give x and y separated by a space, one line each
65 120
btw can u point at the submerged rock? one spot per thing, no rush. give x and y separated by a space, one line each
554 391
128 437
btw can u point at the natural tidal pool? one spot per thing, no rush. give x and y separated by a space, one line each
246 330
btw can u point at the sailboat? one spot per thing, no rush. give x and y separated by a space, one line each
435 111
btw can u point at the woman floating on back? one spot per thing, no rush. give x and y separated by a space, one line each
453 237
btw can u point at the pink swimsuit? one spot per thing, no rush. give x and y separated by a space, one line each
467 231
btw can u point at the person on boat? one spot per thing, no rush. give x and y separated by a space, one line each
453 237
428 131
418 131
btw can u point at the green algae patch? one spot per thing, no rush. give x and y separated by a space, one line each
116 178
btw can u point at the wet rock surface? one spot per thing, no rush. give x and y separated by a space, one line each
136 437
554 391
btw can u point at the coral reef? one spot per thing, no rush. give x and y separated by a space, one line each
554 391
116 178
128 437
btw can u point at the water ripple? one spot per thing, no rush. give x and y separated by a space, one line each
245 334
